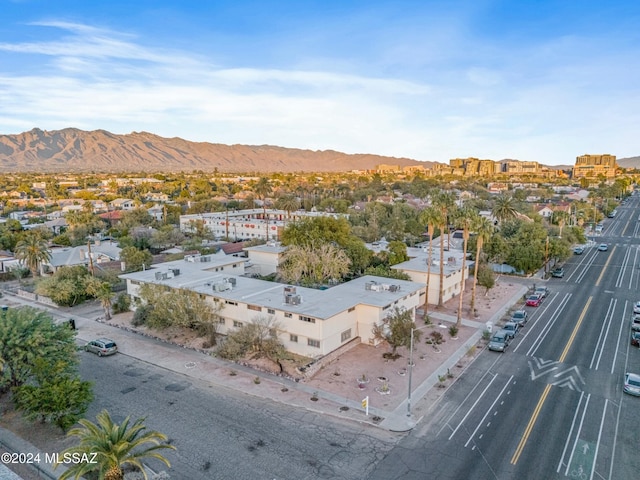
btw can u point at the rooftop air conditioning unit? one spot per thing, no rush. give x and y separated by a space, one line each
394 288
369 285
158 275
289 289
232 281
376 288
292 299
176 271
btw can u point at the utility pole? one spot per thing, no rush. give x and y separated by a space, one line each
546 256
90 258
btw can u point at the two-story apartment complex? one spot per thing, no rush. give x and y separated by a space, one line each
311 322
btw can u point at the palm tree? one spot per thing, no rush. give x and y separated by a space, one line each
33 251
483 229
114 446
103 292
263 189
465 219
561 219
444 202
504 208
431 217
288 203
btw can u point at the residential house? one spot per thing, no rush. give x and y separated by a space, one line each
99 252
122 204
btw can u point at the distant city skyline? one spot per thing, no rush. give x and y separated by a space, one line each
543 81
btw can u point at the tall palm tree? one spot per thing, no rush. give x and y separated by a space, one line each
465 219
288 203
431 217
33 250
263 189
114 446
560 218
483 229
444 202
504 208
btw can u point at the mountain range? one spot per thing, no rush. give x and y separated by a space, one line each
71 150
74 150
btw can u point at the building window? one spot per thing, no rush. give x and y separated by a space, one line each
254 308
229 302
346 335
221 321
307 319
313 343
237 324
351 309
271 311
293 338
386 307
287 315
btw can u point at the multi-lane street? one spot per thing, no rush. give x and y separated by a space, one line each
223 434
552 406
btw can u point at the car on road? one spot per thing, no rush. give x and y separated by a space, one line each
636 307
635 322
101 347
499 341
519 317
534 301
632 383
603 247
558 273
542 291
578 251
511 329
635 339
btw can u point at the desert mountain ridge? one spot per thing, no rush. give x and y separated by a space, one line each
74 150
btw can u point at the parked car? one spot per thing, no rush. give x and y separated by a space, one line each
101 347
519 317
603 247
542 291
511 329
558 273
635 339
499 341
635 322
534 301
632 384
636 307
578 251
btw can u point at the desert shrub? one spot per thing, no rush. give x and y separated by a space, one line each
141 315
122 303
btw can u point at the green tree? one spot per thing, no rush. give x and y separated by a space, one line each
431 217
397 252
115 446
396 328
466 218
27 335
102 291
313 265
181 308
66 287
263 189
444 202
53 395
33 251
134 259
504 208
486 278
483 229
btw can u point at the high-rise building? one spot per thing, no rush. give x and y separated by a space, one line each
595 165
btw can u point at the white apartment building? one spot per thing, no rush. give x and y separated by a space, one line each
312 322
246 224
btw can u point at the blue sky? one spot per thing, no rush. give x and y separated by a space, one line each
432 80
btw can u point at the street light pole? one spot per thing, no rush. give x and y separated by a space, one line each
411 369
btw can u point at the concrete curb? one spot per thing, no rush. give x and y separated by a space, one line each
16 444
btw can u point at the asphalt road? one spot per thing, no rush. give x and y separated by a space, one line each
552 406
221 434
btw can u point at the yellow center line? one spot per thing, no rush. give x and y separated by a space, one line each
547 389
605 267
